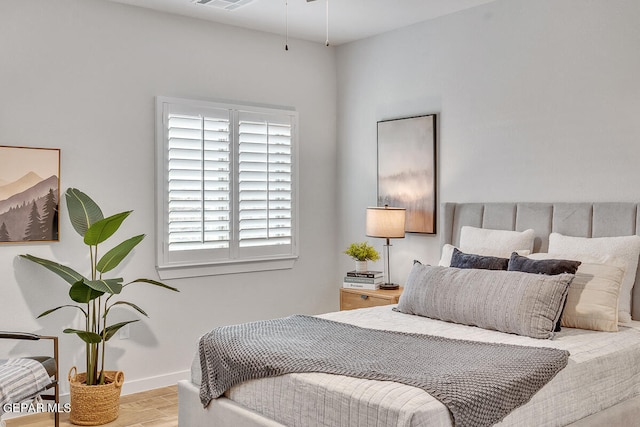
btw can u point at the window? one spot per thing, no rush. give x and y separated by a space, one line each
227 188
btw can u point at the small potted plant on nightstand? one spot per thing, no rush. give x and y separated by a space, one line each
95 394
361 253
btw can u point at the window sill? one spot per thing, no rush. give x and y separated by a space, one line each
228 267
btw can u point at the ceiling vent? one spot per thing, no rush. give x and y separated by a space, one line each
223 4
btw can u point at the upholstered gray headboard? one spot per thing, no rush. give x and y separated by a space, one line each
571 219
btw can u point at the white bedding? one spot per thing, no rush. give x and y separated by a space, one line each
604 369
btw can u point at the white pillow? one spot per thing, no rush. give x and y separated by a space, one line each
447 253
500 243
592 300
626 248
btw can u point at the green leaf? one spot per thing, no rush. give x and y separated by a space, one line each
141 311
83 212
67 273
111 330
82 293
62 306
88 337
111 259
362 251
110 286
155 283
103 229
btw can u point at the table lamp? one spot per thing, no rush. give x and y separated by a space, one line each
388 223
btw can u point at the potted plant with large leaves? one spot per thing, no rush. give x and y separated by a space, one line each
95 394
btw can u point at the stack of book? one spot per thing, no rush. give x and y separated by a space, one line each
363 279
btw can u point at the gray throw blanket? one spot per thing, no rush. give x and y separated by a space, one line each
480 383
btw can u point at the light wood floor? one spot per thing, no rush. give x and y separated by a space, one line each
153 408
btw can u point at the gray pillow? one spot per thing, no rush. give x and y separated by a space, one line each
542 266
460 259
506 301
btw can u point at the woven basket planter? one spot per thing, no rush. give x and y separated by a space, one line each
96 404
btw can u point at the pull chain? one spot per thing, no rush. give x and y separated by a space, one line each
286 25
327 23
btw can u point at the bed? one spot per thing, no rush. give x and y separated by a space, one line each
600 385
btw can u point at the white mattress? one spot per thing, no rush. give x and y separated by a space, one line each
603 370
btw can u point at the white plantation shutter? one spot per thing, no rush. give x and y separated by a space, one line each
198 180
264 178
228 183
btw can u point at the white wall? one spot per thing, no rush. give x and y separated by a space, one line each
537 101
81 75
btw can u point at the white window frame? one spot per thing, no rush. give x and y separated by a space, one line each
169 266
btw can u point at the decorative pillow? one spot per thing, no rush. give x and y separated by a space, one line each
592 300
461 260
548 266
544 266
626 248
447 253
507 301
445 257
498 243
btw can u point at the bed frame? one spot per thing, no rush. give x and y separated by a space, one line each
573 219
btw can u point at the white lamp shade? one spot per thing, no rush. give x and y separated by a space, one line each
385 222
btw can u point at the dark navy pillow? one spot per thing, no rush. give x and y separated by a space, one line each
542 266
460 259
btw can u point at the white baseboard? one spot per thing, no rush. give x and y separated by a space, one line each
144 384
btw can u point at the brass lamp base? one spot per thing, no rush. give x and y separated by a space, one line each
389 286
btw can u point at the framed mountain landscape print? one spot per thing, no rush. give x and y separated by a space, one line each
29 194
407 169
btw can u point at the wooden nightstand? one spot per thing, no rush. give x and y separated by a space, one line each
359 298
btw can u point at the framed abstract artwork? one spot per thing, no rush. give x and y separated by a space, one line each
29 194
407 169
